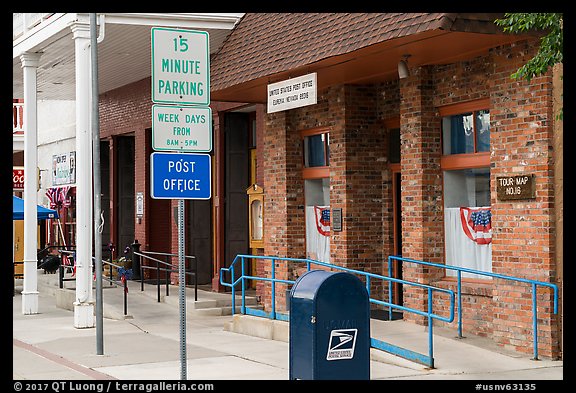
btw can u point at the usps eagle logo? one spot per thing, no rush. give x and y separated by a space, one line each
341 344
322 220
477 224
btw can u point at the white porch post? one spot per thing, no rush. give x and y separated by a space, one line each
84 304
30 286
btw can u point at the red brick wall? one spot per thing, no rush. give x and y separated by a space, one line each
421 185
457 83
524 231
126 109
388 108
283 202
356 179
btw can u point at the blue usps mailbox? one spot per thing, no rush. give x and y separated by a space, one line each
329 327
180 176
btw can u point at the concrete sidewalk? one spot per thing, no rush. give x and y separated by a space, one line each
144 345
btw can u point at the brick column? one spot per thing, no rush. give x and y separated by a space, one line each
284 220
421 185
521 139
356 165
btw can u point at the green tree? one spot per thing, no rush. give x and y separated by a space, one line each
551 45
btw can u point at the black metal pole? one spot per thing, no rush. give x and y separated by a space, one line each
125 296
158 279
61 276
167 273
136 270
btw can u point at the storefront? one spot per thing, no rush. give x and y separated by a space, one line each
61 193
449 161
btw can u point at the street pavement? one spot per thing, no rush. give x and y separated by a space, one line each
145 345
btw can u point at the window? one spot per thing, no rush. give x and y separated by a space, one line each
316 175
466 133
466 179
316 147
467 187
317 194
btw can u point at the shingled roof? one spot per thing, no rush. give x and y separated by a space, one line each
263 44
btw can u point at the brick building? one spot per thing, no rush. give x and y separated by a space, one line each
406 159
409 158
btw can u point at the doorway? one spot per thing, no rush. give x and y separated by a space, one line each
394 154
199 238
236 181
125 187
397 213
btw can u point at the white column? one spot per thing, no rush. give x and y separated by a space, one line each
30 286
84 304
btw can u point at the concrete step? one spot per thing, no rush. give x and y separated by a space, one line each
66 296
207 299
249 325
219 311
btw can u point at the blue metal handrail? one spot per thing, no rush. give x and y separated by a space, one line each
461 270
426 360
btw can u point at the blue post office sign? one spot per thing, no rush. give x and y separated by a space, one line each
180 176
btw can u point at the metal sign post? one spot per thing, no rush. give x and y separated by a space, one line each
181 79
182 289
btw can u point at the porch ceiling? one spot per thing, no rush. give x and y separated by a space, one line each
124 56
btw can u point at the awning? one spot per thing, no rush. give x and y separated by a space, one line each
18 210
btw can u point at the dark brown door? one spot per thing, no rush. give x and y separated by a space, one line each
105 188
125 186
397 267
198 238
237 177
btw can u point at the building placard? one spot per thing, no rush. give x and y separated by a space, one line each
139 204
337 220
292 93
64 169
180 176
182 128
180 66
516 187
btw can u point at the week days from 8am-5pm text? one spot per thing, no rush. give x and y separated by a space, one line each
182 128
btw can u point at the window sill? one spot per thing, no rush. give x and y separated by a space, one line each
316 172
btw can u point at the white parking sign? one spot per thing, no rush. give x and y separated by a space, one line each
180 66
